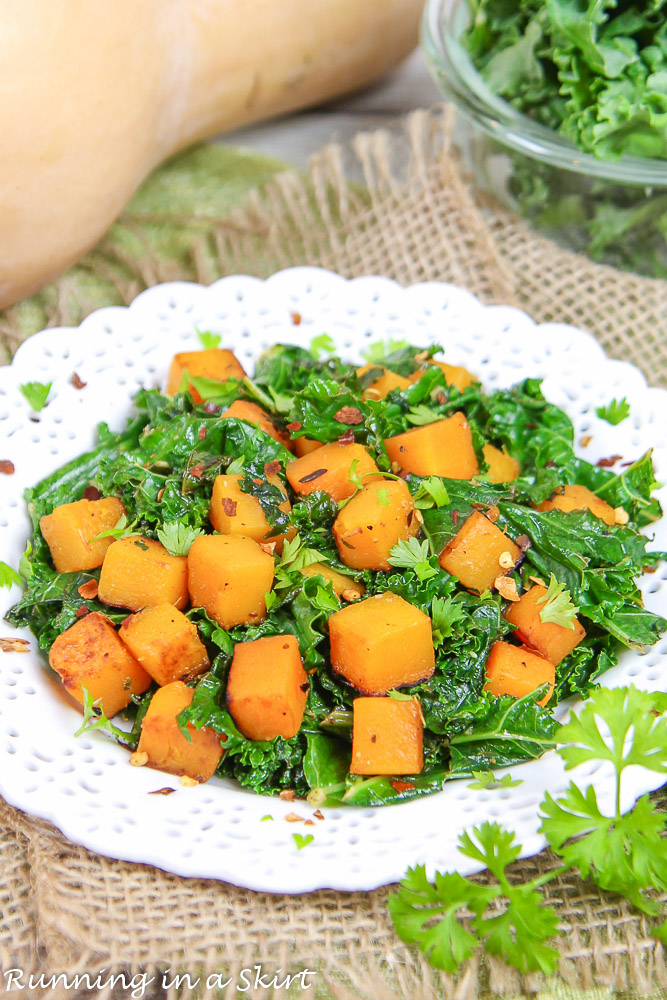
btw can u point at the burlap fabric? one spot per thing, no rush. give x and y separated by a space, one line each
395 203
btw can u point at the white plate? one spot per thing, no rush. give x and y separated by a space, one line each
85 786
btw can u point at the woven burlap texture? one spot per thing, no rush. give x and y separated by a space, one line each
395 203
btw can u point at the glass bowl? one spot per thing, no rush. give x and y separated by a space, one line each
613 210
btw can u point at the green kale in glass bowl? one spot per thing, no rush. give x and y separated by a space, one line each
564 116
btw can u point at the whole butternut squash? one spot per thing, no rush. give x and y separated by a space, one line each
93 96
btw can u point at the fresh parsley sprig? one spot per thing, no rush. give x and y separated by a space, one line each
94 718
177 538
432 492
9 576
450 917
558 607
209 341
616 412
445 613
415 555
36 394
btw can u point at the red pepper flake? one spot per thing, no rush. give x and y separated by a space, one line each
294 818
442 399
312 476
91 493
308 822
455 517
163 791
229 506
549 464
272 468
404 474
13 645
493 514
626 465
160 495
88 590
7 467
78 382
607 463
81 612
401 786
212 408
318 814
524 542
650 569
479 506
197 471
287 795
296 318
202 434
349 415
347 437
294 426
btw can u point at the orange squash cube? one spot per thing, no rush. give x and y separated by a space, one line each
573 497
71 529
267 688
478 553
373 521
516 671
328 469
241 409
167 747
387 736
380 643
443 448
90 655
502 467
213 364
139 573
233 512
382 386
304 446
340 583
553 642
229 576
165 643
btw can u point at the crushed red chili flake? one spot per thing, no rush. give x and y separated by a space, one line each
401 786
91 493
7 467
163 791
312 476
212 408
442 399
77 381
455 517
549 464
287 795
347 437
308 822
229 506
404 474
81 612
493 514
606 463
197 471
294 426
202 434
349 415
13 645
626 465
296 318
160 495
272 468
318 814
294 818
88 590
479 506
524 542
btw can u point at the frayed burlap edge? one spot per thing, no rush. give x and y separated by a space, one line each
403 209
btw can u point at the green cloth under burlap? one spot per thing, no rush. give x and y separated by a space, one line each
393 204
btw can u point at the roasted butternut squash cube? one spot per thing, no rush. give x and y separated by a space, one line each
305 446
373 521
242 409
569 498
516 671
502 467
553 642
168 749
443 448
165 643
340 583
215 364
380 643
90 655
387 736
267 687
479 553
228 576
328 469
384 384
70 532
233 512
139 573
